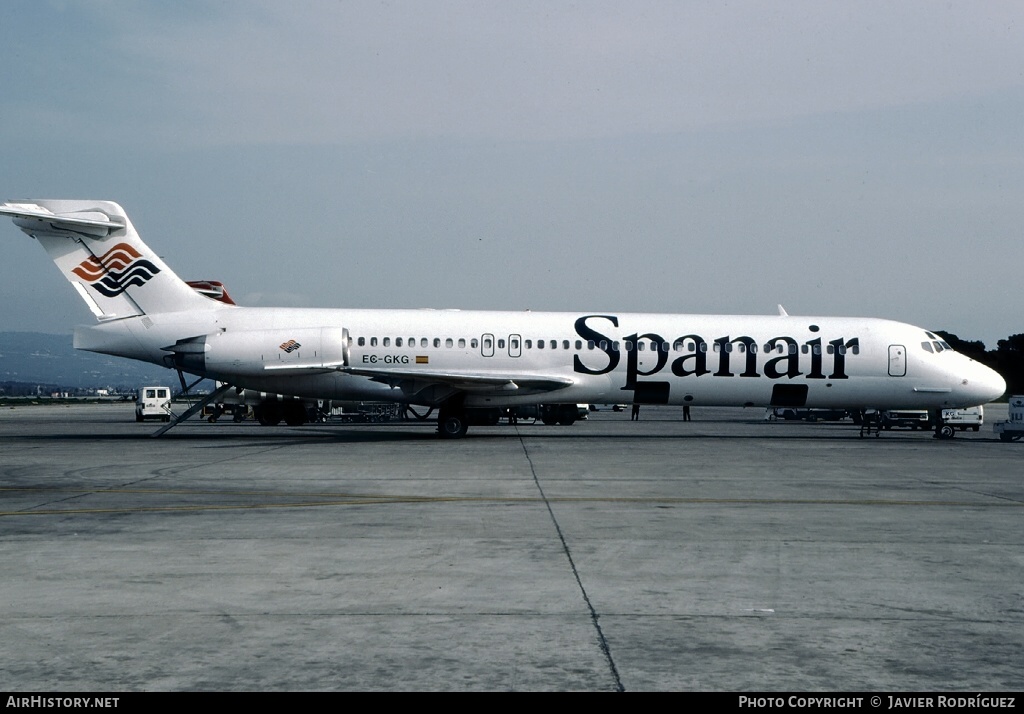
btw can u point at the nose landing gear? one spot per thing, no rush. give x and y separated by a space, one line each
942 429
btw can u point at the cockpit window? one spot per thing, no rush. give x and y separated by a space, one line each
946 345
927 346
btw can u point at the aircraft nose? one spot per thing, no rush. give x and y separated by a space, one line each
984 384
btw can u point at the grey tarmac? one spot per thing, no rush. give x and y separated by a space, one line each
727 553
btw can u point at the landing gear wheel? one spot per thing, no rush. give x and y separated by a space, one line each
295 414
567 414
452 425
945 432
267 414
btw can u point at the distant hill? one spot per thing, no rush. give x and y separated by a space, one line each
35 357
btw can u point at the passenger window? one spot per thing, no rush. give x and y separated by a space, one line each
473 343
373 342
553 344
514 344
591 344
462 342
449 343
501 343
423 342
628 344
387 341
398 342
565 344
540 344
640 347
529 344
362 341
437 342
579 344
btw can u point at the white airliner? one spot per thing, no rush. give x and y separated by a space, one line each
463 361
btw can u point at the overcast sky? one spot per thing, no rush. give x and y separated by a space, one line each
849 158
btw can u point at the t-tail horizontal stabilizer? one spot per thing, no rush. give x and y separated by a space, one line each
100 253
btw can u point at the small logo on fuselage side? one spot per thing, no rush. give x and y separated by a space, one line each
290 346
116 270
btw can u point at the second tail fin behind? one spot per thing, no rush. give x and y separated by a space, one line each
98 250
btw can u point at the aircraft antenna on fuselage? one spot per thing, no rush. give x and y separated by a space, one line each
782 312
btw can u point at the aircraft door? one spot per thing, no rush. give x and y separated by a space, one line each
897 361
487 345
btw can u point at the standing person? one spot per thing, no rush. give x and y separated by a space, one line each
636 413
686 412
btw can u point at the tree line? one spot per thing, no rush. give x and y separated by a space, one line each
1007 358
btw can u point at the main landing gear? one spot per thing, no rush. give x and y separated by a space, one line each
451 422
454 418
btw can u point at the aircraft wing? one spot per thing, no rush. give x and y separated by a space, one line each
418 381
462 381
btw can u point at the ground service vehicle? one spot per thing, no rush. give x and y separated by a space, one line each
153 403
964 419
1013 428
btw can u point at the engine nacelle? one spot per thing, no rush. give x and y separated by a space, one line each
260 352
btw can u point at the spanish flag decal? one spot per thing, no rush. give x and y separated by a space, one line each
422 359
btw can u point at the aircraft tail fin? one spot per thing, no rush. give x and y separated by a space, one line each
98 250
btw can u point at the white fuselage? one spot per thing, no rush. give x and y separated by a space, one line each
601 357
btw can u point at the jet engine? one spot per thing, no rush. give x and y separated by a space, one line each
234 353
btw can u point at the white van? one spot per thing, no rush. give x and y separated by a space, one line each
964 419
153 403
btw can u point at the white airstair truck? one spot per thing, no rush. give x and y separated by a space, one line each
1013 428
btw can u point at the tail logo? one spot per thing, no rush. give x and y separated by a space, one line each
115 271
290 346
